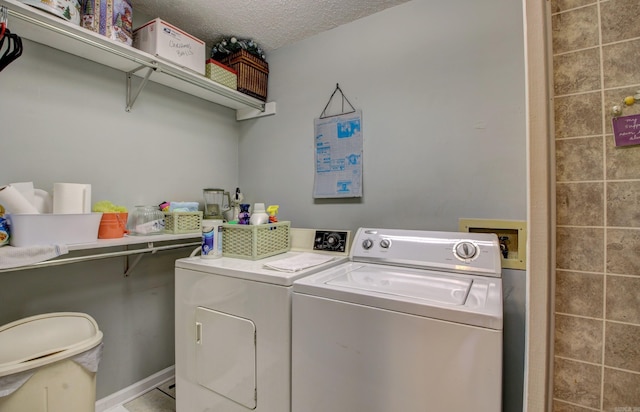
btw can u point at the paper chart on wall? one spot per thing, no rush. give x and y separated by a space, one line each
338 156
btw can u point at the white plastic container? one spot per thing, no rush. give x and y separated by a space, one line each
53 229
161 39
48 363
258 215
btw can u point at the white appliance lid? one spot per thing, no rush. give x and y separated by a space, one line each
478 305
253 269
428 287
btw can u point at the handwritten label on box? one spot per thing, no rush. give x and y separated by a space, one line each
626 130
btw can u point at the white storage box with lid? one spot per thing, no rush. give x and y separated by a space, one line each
48 363
161 39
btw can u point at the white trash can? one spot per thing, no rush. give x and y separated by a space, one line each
48 363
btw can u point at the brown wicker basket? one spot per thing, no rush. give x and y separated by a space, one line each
253 73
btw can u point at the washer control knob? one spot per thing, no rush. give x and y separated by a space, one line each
465 250
367 244
385 243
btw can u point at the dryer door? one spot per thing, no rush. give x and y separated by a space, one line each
226 355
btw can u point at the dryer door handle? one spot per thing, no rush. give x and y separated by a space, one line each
198 333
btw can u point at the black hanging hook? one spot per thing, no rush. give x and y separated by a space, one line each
344 98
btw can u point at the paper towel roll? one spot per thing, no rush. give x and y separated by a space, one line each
14 202
26 190
71 198
43 201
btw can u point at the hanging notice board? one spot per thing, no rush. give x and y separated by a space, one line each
338 156
626 130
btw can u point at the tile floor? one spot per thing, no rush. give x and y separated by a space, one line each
160 399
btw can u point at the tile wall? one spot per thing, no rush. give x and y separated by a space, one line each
596 64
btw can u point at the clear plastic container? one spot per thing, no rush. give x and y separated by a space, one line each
147 220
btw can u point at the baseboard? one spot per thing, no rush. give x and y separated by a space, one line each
135 390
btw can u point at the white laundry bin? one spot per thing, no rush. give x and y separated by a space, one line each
48 363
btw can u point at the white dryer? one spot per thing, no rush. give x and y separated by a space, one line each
233 325
412 323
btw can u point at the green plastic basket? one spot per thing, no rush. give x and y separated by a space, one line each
182 222
255 241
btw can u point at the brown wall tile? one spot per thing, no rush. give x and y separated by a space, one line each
579 115
620 64
576 72
580 204
559 406
622 162
623 251
561 5
621 390
579 159
623 299
579 294
623 199
578 338
575 29
619 20
577 382
622 349
583 169
580 249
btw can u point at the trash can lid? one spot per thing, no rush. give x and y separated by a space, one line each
42 339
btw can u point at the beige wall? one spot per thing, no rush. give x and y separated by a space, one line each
596 64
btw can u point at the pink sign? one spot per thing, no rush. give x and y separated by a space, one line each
626 130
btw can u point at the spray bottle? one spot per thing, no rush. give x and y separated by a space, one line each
273 211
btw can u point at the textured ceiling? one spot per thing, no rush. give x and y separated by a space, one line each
270 23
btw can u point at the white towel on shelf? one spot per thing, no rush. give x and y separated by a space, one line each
11 256
298 262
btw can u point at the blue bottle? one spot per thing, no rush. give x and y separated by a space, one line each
244 216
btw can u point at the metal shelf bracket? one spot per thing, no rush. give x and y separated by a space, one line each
131 98
129 267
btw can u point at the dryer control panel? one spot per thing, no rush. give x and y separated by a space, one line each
335 242
331 240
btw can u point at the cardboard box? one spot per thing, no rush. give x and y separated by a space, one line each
161 39
111 18
222 74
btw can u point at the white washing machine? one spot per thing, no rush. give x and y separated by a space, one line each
233 325
413 322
